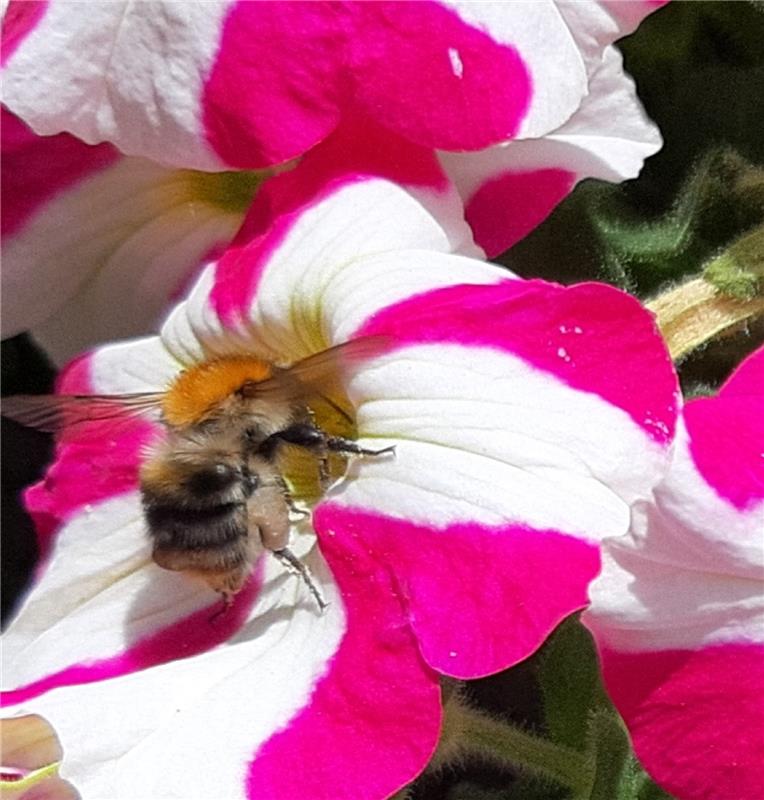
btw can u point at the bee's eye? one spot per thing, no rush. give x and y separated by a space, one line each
214 478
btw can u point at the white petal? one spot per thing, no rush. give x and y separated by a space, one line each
481 435
140 365
102 259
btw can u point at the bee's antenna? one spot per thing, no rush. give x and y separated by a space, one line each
288 558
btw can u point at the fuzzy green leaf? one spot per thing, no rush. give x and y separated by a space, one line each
568 672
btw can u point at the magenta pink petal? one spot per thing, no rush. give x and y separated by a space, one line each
716 426
286 74
373 720
748 378
453 87
723 431
275 88
507 208
478 598
696 717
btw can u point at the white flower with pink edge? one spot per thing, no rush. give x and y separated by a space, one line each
526 418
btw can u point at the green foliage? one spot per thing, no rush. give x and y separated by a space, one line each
570 684
738 271
722 197
609 751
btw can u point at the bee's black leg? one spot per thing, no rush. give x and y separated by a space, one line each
290 560
338 444
313 438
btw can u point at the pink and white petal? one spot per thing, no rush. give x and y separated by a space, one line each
734 472
678 611
277 291
253 84
510 189
360 148
105 631
513 438
34 171
374 718
530 579
541 342
318 63
99 460
308 67
124 72
92 490
153 699
485 72
555 71
35 168
99 246
689 573
560 45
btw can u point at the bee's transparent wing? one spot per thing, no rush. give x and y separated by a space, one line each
321 375
327 368
54 412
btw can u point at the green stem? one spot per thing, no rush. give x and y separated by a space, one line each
507 744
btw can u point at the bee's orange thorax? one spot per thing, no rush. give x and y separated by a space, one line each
196 391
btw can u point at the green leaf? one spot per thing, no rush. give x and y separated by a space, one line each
609 752
568 672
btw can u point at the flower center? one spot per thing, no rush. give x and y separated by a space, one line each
229 191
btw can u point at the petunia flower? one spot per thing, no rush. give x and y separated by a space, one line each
525 416
678 611
522 100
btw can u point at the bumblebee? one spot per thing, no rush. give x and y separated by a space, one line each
213 490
